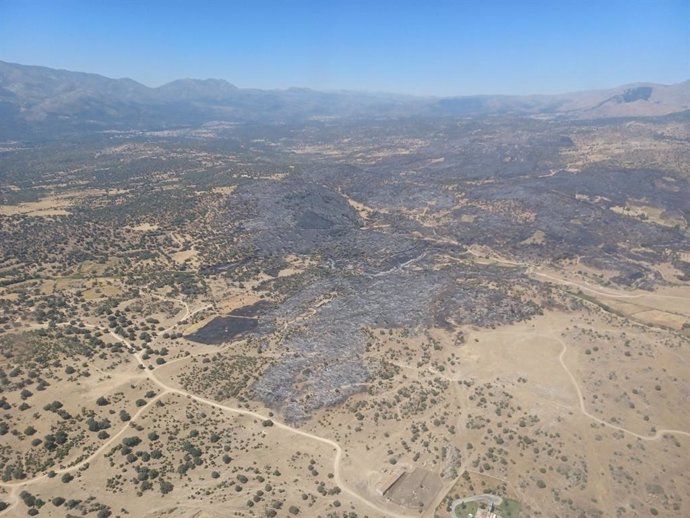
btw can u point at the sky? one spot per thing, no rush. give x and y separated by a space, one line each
427 47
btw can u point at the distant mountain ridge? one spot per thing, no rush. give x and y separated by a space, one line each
36 99
212 89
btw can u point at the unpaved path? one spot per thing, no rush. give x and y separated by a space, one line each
15 486
583 409
609 294
166 389
659 433
533 270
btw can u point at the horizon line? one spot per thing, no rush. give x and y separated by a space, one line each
346 90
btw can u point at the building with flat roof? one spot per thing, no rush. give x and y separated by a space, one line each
389 481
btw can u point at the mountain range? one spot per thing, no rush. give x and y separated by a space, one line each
36 100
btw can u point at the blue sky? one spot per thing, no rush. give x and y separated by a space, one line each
425 47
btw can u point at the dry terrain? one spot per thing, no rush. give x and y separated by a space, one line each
373 319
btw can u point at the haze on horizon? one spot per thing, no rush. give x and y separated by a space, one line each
444 49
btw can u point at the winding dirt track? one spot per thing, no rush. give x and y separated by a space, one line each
243 411
166 390
101 449
581 401
609 294
531 269
659 433
14 486
583 409
338 450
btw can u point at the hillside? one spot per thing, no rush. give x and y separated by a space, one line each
43 100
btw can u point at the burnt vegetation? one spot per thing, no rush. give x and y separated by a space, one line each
291 266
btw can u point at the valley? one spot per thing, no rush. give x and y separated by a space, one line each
375 317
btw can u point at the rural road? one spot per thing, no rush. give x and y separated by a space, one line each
282 426
609 294
531 269
167 390
581 401
583 409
